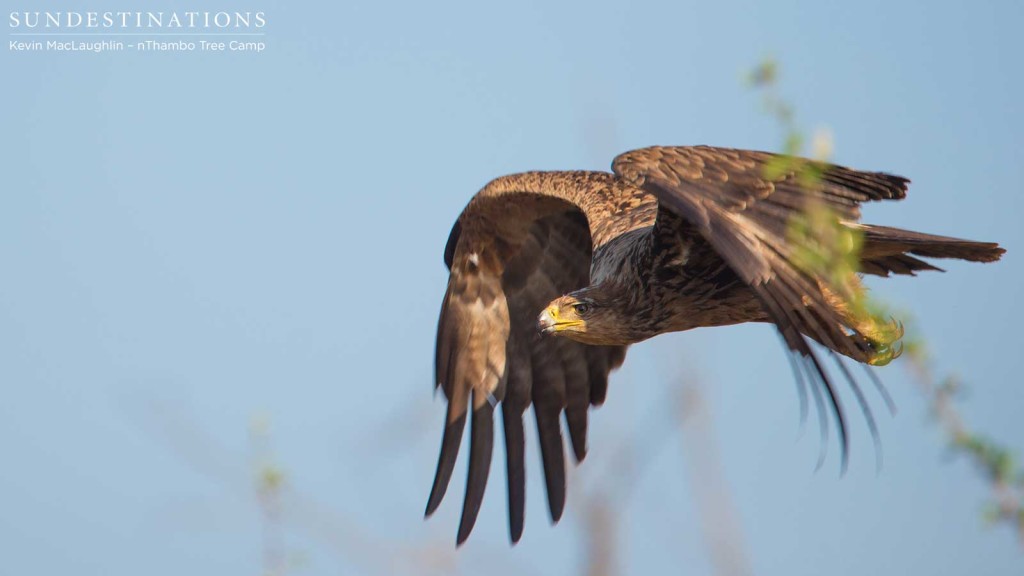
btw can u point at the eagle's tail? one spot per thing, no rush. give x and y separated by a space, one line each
894 251
888 251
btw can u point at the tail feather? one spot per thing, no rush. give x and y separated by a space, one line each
888 250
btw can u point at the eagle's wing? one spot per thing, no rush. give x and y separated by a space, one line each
726 196
521 242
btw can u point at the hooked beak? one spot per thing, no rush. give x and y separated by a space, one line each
546 321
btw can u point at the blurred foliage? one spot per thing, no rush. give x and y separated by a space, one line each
829 250
822 246
269 483
997 463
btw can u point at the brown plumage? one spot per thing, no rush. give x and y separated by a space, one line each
676 238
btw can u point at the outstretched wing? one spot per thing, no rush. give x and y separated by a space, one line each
727 197
520 243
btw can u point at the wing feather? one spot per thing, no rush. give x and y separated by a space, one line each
548 402
481 443
521 242
515 457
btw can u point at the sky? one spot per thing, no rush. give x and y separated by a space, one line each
218 262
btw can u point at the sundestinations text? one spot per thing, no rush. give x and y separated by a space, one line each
136 20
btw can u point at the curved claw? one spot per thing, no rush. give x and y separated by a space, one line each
885 342
886 353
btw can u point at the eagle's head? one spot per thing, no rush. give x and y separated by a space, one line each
588 317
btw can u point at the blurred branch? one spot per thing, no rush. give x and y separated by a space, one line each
822 246
995 461
603 500
719 521
831 251
283 506
269 485
764 78
600 542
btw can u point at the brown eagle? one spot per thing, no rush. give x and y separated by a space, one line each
674 238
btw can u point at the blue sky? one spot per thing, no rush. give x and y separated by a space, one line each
194 241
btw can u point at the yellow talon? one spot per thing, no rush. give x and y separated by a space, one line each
886 353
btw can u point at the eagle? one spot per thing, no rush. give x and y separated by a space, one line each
554 274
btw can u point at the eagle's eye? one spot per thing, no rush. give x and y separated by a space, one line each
581 308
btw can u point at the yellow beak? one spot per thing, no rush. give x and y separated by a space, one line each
549 321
